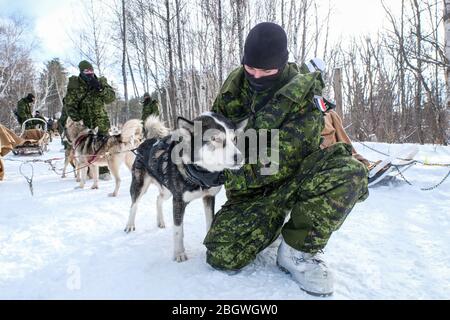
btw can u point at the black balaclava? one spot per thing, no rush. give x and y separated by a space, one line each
147 96
30 97
265 48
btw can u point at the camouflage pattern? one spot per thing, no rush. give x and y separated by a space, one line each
87 104
318 187
24 111
151 107
62 125
287 107
63 119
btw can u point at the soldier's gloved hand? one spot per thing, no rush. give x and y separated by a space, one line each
95 84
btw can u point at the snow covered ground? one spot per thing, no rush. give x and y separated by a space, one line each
69 244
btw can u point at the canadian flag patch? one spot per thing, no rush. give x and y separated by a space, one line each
320 103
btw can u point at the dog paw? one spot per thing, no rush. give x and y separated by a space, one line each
94 187
64 176
180 257
129 229
161 225
112 195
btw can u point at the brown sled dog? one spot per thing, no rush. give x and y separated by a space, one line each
71 132
93 151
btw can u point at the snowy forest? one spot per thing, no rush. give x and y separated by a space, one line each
389 87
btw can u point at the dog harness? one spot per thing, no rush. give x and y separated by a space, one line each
94 156
155 155
203 178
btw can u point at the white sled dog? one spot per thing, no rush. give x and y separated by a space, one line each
185 181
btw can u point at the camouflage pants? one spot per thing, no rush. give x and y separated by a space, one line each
319 199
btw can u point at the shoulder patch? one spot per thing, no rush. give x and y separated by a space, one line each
323 104
320 104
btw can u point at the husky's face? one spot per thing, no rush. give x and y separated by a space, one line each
213 141
74 128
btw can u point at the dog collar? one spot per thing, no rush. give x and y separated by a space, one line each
198 176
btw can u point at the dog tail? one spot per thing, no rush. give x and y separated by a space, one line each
131 131
155 128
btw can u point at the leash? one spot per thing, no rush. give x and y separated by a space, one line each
415 161
30 162
99 157
29 179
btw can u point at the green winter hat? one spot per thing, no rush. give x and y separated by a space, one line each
146 95
83 65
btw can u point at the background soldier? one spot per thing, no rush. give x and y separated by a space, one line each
150 107
25 109
86 98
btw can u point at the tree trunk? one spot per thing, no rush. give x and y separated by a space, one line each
447 56
418 96
402 82
305 30
220 53
124 59
239 9
337 84
172 90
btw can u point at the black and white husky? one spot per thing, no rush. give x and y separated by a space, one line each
167 162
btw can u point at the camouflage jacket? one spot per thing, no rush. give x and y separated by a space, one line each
151 107
83 103
288 107
24 110
63 119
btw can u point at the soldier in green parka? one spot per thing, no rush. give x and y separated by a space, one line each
315 189
86 98
25 110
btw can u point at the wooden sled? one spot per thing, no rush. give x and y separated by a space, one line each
35 140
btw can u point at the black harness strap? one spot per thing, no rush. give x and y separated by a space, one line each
203 178
193 174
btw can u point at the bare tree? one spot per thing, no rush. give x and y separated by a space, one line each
124 57
447 56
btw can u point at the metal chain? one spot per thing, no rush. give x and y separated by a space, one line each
416 161
377 151
423 189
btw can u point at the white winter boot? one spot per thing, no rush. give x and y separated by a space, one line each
310 272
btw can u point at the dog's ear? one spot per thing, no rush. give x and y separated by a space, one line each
183 123
240 126
95 131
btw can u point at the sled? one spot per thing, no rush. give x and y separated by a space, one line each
395 164
35 140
